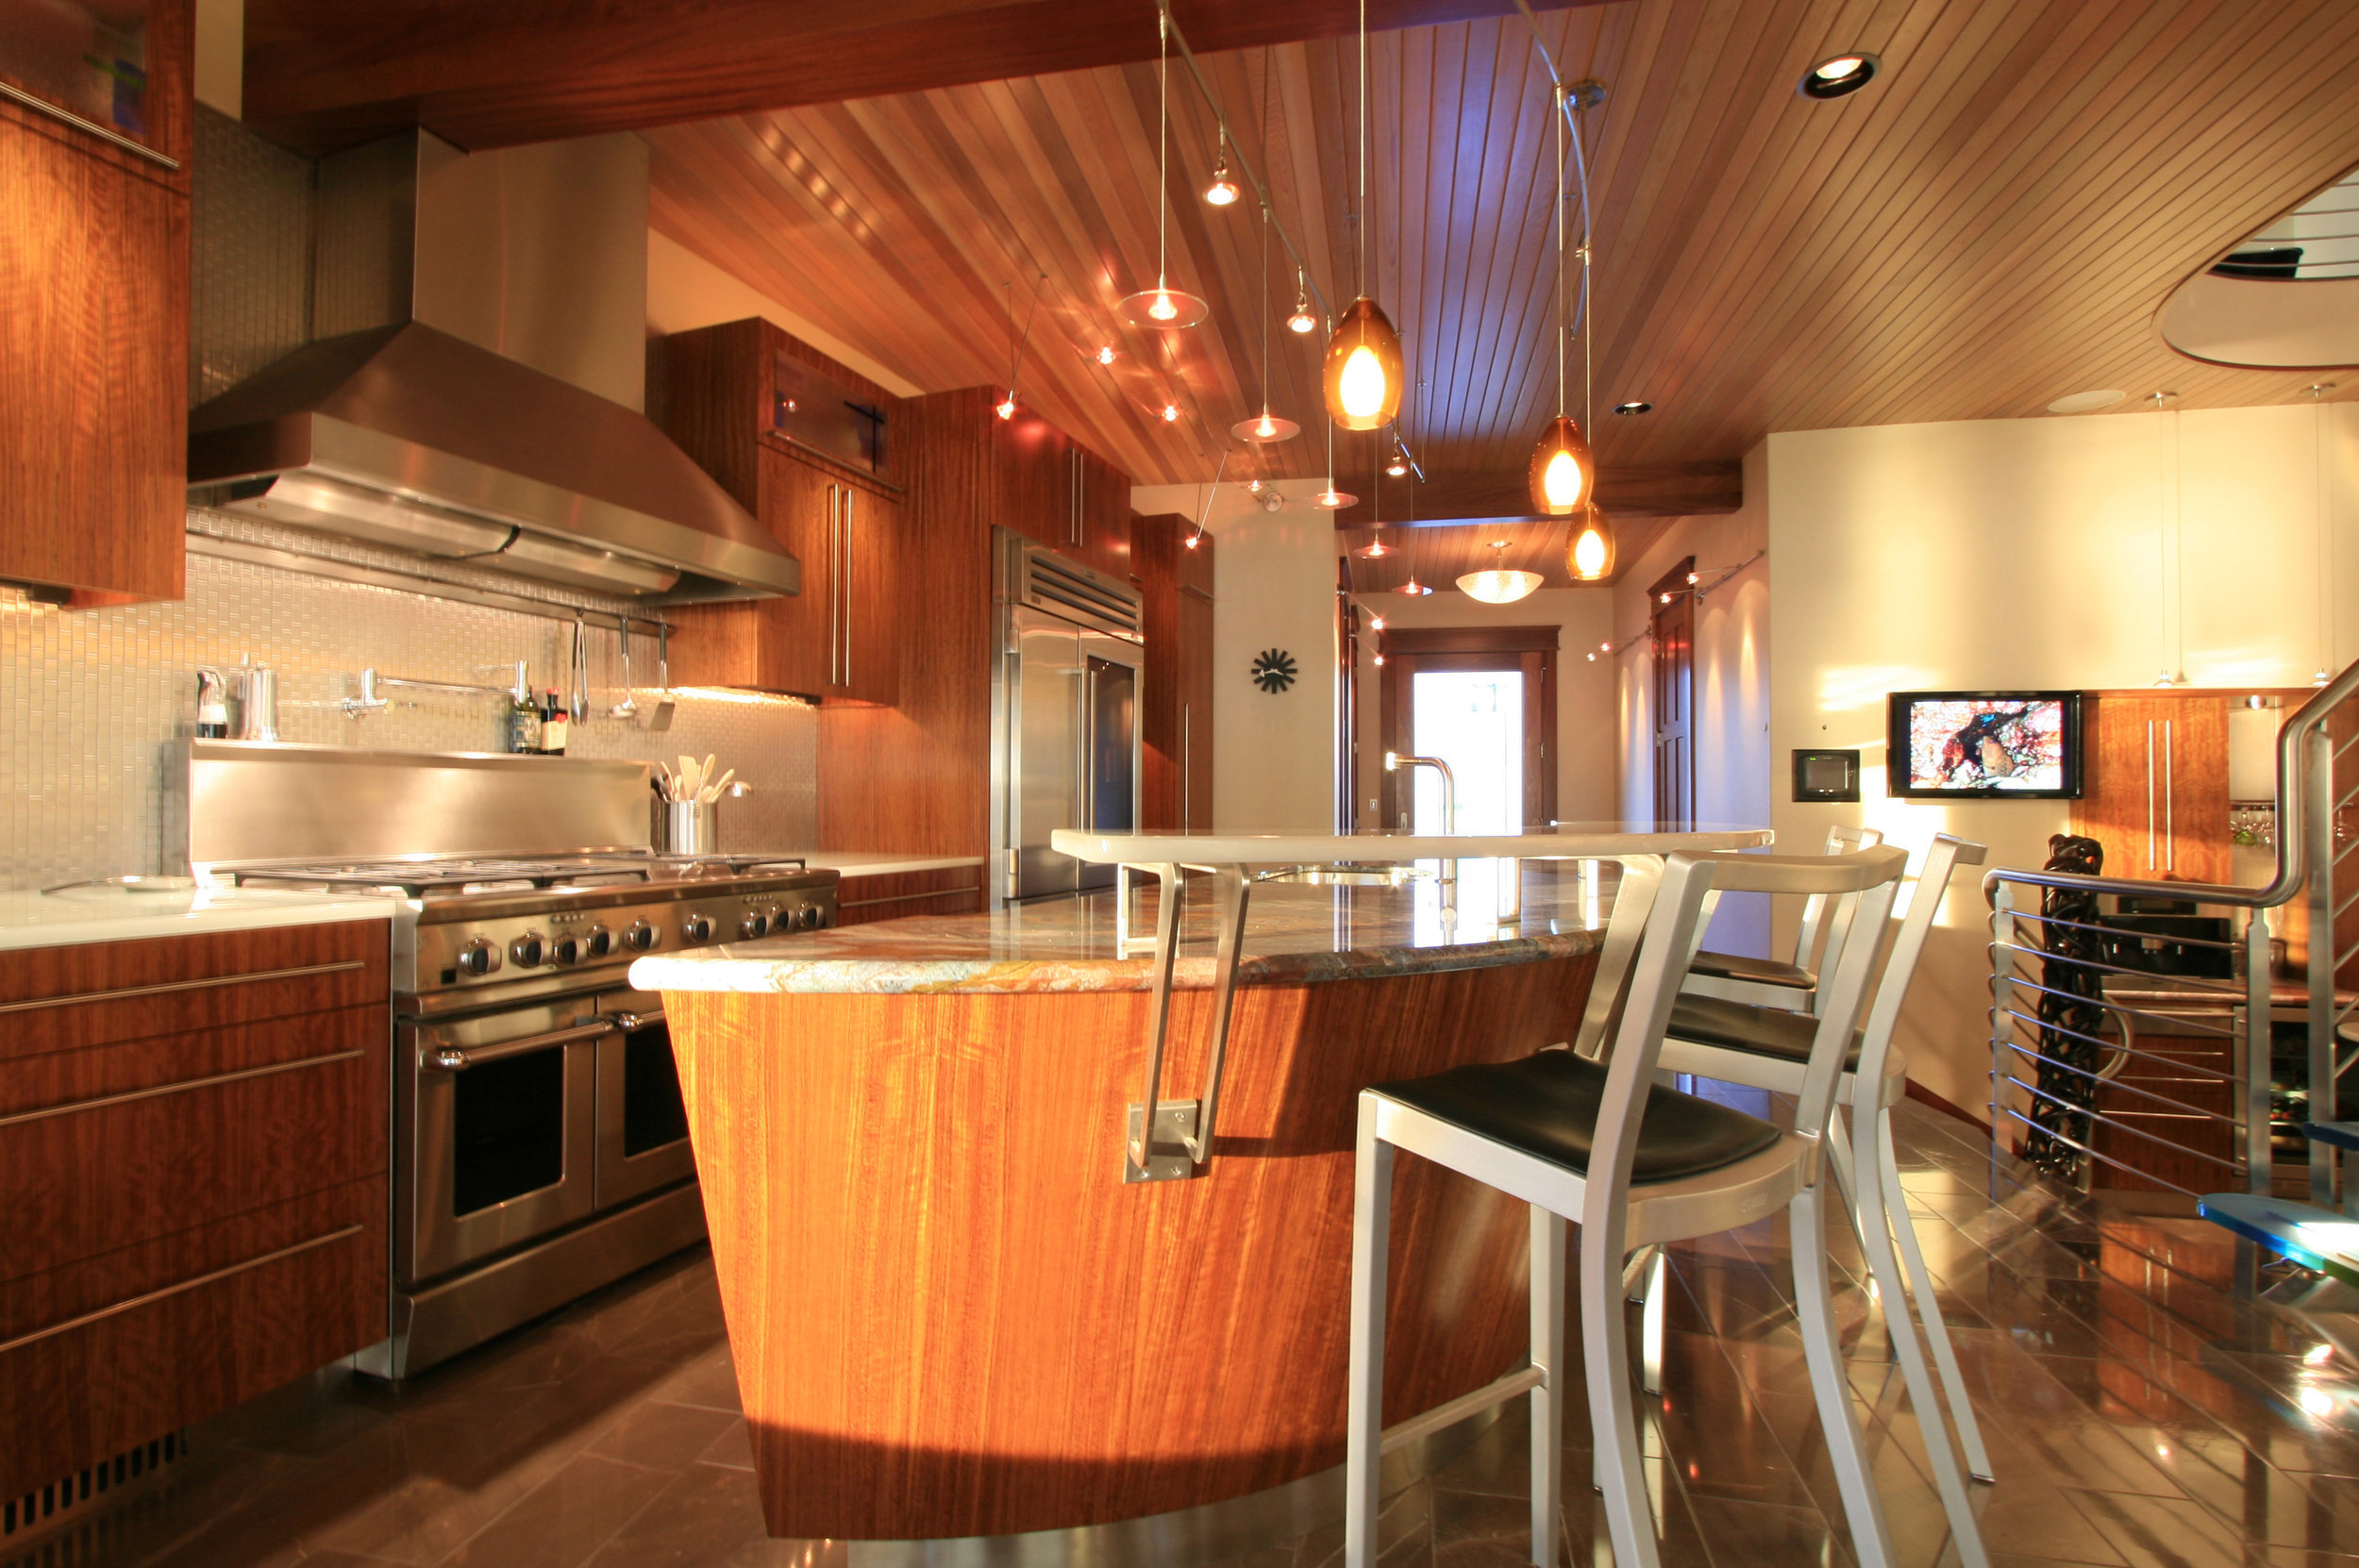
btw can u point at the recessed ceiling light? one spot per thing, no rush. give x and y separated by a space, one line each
1839 74
1635 405
2088 402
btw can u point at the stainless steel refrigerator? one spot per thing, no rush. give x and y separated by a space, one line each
1065 701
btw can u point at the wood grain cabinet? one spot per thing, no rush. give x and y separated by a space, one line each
1050 487
94 336
838 641
1176 705
194 1142
2155 793
956 890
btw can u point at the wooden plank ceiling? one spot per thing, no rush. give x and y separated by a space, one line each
1990 225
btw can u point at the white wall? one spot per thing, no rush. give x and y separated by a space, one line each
686 292
1273 587
1586 754
2076 552
1734 774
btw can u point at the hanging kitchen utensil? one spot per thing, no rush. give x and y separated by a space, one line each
628 707
661 718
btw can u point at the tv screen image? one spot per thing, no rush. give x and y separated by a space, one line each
1986 743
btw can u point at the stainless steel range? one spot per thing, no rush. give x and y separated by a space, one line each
540 1143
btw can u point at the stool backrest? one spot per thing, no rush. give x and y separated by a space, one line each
1870 876
1943 857
1829 919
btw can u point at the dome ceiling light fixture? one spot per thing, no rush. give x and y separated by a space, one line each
1363 379
1564 470
2088 402
1496 584
1265 426
1163 306
1839 76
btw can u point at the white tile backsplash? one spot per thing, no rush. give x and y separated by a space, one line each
89 698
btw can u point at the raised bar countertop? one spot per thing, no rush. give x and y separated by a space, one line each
1295 934
106 914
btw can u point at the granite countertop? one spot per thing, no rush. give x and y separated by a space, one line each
30 919
1295 934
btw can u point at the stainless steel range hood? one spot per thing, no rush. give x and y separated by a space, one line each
485 410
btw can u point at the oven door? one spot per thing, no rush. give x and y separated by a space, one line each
642 1121
498 1117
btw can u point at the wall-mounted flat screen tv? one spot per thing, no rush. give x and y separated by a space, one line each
2019 744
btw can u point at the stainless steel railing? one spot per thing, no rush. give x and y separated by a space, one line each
2168 1076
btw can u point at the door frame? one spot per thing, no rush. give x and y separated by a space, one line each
1671 608
1529 649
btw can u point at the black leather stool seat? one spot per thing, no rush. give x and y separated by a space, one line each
1741 1027
1547 1105
1759 972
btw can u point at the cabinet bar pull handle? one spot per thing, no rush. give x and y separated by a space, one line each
2170 836
1187 758
835 555
847 585
134 1303
123 993
73 1107
42 106
2150 794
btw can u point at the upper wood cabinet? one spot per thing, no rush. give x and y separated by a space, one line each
2156 790
94 336
1176 697
832 505
1050 487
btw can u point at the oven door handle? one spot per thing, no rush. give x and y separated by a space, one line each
627 1022
454 1058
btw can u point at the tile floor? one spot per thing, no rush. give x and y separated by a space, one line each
2138 1415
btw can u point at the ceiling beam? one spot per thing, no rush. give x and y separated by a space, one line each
1651 489
326 74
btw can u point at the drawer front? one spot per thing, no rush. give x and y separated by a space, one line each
63 1080
956 891
87 1176
72 998
116 1350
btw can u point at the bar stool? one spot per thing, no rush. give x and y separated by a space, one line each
1764 1047
1772 982
1633 1165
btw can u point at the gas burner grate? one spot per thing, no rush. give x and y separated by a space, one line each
462 876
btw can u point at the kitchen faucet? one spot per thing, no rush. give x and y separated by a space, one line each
1395 761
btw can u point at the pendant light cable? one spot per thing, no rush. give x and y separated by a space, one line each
1363 273
1162 142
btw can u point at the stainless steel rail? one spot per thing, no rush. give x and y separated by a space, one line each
2056 1107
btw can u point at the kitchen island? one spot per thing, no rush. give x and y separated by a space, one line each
951 1313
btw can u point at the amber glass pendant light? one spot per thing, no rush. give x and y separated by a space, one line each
1163 306
1363 375
1265 426
1563 470
1590 557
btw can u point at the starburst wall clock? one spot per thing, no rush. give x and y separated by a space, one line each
1274 670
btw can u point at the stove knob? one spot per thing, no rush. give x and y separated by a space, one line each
529 949
640 936
598 942
754 925
565 950
811 917
696 929
478 958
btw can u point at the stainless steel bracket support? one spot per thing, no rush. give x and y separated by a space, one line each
1191 1123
